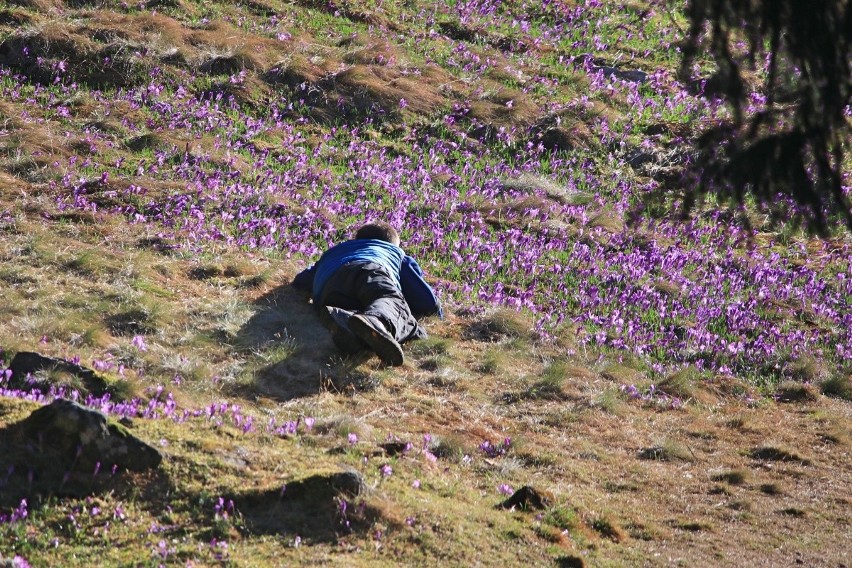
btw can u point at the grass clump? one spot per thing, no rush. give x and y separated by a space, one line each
733 477
77 329
837 433
562 517
551 384
691 526
501 325
838 386
148 287
669 450
771 489
608 528
429 347
135 321
449 447
345 427
683 384
491 362
92 263
806 370
610 400
206 272
622 374
790 391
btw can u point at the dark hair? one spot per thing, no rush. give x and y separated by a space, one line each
380 231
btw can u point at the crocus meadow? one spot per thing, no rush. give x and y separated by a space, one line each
706 292
568 229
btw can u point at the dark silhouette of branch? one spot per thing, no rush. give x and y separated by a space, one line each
789 145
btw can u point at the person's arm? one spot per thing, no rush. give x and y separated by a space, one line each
305 279
419 295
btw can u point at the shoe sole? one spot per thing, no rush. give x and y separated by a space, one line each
380 342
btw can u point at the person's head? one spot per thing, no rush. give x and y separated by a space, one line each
380 231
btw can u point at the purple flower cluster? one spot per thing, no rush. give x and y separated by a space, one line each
160 405
18 514
495 450
223 509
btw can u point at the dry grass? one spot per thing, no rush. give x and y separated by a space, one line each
369 85
607 222
529 183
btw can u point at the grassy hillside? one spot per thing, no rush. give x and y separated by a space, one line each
677 389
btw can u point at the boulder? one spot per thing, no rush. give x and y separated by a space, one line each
527 498
631 76
26 364
83 437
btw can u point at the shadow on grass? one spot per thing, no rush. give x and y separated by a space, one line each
38 470
318 508
302 360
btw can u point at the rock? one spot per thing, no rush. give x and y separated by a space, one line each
325 487
348 483
395 448
27 363
634 76
571 562
84 438
527 498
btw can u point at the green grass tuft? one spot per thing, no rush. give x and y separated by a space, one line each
733 477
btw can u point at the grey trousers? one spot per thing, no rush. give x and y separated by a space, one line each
367 288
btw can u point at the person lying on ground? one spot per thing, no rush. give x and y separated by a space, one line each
370 294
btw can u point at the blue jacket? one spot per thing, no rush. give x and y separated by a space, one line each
418 294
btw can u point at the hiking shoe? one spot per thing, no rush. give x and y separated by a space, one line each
336 321
370 330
